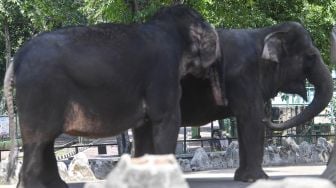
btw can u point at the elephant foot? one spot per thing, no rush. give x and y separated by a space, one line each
38 184
249 174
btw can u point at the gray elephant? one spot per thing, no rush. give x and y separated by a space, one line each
101 80
330 172
259 63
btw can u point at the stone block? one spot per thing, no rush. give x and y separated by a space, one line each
79 169
200 160
150 171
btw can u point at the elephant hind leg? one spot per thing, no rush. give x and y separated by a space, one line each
143 139
39 168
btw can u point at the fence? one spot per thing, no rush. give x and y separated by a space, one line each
186 147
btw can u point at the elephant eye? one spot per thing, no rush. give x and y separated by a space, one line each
309 59
311 56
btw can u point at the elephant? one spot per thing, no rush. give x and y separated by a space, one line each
103 79
257 64
330 172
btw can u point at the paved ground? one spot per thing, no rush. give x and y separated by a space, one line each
224 177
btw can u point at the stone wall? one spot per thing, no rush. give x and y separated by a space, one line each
289 153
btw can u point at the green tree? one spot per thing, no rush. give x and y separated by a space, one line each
50 14
25 18
122 11
15 29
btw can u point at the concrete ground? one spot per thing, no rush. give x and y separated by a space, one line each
224 177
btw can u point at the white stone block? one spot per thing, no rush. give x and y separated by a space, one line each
79 169
149 171
200 160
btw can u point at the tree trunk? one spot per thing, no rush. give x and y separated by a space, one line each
133 5
8 54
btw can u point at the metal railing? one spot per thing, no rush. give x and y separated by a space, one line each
190 144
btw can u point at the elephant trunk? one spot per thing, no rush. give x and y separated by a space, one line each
320 77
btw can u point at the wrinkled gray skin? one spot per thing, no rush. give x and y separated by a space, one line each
330 172
101 80
259 63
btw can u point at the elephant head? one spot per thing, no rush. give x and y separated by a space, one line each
291 56
201 44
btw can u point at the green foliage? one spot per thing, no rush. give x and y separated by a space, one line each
19 29
26 18
121 11
231 13
106 10
317 16
51 14
6 144
319 19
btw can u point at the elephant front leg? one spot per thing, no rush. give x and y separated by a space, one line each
158 135
165 134
165 130
39 169
251 132
251 151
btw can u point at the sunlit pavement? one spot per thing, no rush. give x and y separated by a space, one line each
224 177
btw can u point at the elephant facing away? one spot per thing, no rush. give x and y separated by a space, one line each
104 79
259 63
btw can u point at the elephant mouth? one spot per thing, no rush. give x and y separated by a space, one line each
298 88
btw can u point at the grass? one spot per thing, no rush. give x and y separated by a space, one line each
6 144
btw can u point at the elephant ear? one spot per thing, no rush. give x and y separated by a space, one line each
273 46
204 47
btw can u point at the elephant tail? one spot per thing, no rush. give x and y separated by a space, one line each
8 93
